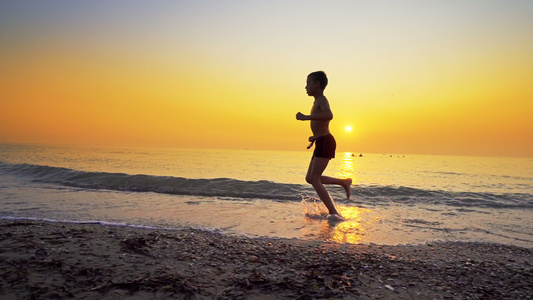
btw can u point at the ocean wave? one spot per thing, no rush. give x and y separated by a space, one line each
223 187
235 189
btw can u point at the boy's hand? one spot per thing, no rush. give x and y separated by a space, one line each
312 139
300 116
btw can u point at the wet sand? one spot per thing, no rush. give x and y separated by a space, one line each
41 260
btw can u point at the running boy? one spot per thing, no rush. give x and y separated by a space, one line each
324 143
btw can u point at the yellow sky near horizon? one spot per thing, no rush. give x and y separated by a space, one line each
413 77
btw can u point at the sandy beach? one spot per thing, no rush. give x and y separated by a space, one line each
91 261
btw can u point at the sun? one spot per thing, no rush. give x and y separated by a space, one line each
348 128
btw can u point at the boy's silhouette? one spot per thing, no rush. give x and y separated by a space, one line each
324 142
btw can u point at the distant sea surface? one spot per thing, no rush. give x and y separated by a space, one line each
396 198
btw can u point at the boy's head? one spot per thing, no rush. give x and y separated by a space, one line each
321 77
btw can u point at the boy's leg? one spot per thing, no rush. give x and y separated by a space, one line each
345 183
314 177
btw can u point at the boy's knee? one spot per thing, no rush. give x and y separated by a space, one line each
313 180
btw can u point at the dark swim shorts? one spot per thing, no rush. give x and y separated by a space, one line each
325 146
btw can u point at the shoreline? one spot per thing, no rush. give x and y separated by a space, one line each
42 260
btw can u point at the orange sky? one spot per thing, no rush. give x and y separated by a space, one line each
414 77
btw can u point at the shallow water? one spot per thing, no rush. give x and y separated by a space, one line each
395 200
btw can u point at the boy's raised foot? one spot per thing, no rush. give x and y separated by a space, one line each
346 185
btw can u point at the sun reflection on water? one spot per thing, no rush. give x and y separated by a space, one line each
347 167
354 230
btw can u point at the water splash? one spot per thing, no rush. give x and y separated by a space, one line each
313 207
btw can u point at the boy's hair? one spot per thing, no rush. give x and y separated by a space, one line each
321 77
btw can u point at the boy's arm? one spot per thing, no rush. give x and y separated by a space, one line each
321 112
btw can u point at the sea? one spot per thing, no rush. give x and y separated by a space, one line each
396 199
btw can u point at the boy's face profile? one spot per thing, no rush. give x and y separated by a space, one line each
312 86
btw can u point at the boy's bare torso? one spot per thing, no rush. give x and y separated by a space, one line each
319 127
